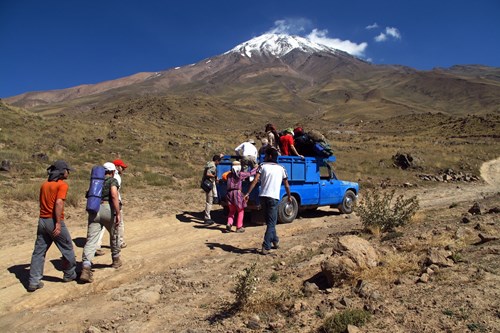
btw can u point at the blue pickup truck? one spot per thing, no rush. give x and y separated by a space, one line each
313 184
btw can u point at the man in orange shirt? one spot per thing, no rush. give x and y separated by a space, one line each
51 227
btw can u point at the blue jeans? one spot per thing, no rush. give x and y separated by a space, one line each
270 206
43 242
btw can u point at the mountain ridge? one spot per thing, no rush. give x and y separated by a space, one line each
297 73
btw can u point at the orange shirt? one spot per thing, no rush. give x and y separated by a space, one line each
49 193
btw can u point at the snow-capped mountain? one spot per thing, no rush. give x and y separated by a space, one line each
278 45
279 73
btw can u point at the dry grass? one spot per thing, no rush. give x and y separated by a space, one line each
166 140
394 265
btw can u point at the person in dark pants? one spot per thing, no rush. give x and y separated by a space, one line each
51 226
210 173
271 175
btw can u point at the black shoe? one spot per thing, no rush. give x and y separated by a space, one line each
209 222
33 287
276 245
228 228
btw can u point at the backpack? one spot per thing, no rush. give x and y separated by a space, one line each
322 149
304 145
94 192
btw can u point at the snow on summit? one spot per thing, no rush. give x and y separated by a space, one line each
277 45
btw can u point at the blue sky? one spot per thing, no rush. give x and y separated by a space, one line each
52 44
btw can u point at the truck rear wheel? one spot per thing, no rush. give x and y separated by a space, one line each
347 205
287 211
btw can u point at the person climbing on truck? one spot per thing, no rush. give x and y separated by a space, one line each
288 145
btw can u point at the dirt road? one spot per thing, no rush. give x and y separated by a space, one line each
166 253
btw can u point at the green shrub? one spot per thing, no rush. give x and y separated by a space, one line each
245 286
338 322
378 209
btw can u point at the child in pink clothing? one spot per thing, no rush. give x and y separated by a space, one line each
234 196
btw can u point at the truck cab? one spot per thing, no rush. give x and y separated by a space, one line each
312 181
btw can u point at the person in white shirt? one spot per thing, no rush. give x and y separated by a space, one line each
271 175
248 153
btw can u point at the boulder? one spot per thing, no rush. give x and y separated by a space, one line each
351 254
5 165
439 257
475 209
359 250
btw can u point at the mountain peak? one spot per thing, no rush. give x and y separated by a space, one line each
278 45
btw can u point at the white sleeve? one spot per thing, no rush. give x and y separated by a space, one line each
238 149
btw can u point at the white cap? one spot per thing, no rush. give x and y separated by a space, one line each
109 166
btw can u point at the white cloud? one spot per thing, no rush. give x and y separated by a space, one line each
372 26
394 32
381 37
320 36
290 26
389 32
300 26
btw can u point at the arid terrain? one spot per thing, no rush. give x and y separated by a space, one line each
178 274
430 134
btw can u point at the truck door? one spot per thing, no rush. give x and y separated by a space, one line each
330 193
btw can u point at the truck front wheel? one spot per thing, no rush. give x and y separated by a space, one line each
287 211
347 205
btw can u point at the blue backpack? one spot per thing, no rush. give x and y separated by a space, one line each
94 192
322 149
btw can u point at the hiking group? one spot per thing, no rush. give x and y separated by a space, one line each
52 229
104 204
269 173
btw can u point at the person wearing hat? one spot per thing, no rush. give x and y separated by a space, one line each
234 196
265 145
248 153
109 217
51 226
287 143
120 168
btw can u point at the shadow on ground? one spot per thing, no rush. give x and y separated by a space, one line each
232 249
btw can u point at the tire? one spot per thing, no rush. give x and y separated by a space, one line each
347 205
287 212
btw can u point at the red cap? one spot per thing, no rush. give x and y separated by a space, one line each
120 163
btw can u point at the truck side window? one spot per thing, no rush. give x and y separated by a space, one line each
324 172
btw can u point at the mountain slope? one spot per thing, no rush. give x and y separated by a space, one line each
281 73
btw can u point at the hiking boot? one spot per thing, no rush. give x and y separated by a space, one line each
276 245
228 228
265 252
99 252
86 275
240 230
124 245
117 262
209 222
33 287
